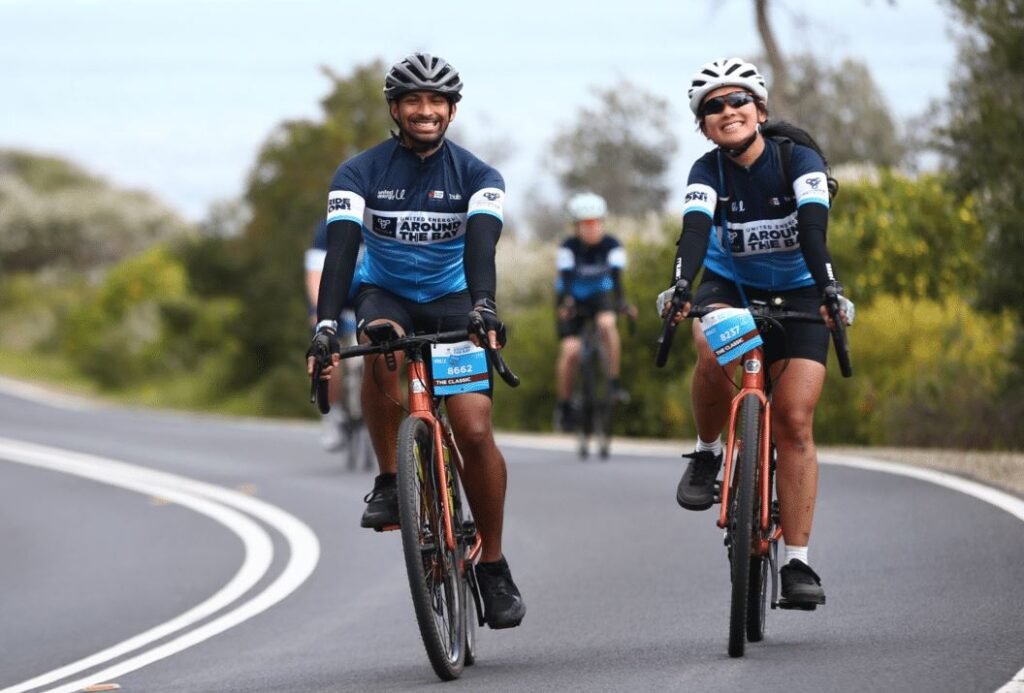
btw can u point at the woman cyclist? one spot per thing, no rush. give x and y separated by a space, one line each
772 245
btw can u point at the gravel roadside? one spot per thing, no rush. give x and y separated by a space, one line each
1003 470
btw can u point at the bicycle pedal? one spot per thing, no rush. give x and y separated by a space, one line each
798 606
386 528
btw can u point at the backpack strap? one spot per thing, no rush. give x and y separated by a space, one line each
786 157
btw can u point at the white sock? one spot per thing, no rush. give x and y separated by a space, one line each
714 446
797 552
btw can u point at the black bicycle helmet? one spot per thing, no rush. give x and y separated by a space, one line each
422 71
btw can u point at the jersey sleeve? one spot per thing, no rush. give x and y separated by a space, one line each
701 192
565 258
346 200
809 181
616 255
489 194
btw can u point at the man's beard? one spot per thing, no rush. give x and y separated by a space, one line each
417 143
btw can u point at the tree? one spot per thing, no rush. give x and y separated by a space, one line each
54 215
840 105
286 196
981 144
981 140
621 150
843 108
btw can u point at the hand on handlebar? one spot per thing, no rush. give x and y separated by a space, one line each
833 301
679 296
566 308
629 310
484 322
323 353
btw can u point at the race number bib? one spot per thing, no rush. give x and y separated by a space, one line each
730 332
459 368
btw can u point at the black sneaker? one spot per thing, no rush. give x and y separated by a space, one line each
801 587
381 503
503 605
697 487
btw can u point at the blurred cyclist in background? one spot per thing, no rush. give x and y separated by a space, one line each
588 287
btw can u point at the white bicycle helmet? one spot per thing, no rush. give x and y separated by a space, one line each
422 72
725 72
586 205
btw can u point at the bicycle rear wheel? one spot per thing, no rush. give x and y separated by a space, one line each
438 591
740 526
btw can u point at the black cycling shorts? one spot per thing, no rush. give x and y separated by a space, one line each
586 309
803 340
450 312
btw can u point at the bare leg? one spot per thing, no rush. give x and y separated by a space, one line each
568 359
485 476
711 391
609 333
383 413
793 401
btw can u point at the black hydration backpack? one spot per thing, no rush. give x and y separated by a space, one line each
786 135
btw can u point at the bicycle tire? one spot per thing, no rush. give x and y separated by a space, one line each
759 566
437 589
757 595
741 516
586 409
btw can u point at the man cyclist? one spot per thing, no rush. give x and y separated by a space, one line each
430 214
588 287
332 423
775 247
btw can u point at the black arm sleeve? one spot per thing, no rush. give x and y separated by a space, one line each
482 234
692 247
812 222
617 289
342 250
568 275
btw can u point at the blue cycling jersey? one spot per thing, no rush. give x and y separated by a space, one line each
591 266
413 214
763 243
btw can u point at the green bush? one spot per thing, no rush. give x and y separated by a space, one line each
925 373
115 335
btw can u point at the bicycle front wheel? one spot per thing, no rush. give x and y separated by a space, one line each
740 525
760 565
438 595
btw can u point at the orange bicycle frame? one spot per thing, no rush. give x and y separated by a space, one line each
421 405
752 382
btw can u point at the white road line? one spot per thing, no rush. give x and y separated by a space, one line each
209 500
1000 499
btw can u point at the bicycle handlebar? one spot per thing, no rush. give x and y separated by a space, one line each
761 313
417 340
318 388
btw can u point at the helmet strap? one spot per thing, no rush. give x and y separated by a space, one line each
744 146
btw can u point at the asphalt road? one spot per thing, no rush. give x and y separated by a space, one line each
169 552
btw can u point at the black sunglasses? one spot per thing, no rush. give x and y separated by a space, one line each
736 99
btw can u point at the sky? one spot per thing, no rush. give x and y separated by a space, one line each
177 97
